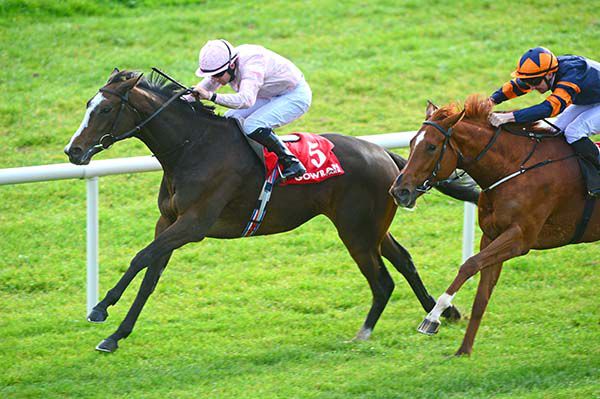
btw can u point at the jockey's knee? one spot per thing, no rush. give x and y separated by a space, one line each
234 113
576 131
251 124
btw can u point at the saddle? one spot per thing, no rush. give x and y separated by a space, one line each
314 151
306 147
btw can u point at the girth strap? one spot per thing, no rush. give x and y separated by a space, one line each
588 210
261 206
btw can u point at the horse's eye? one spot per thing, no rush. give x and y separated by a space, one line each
431 147
105 110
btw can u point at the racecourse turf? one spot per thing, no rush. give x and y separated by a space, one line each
270 317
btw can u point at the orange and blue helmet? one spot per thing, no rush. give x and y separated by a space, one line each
536 62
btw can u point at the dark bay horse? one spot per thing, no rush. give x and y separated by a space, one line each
536 209
211 182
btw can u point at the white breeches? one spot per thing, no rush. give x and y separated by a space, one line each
274 112
578 121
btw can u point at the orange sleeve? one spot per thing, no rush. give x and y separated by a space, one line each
511 89
562 96
555 103
570 84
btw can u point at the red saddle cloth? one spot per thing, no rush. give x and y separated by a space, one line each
598 145
316 154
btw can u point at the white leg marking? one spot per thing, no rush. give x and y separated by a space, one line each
363 334
98 98
442 303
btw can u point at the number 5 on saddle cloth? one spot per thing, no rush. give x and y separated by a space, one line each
316 154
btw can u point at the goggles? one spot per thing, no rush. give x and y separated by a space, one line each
530 82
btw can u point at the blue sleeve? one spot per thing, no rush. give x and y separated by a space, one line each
534 113
498 96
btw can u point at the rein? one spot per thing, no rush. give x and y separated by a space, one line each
106 141
537 137
522 168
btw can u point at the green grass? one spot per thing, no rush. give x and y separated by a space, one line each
269 317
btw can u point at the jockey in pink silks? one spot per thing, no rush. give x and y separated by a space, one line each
270 91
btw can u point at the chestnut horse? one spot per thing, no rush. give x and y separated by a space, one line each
212 180
533 196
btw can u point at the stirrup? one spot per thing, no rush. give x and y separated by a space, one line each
594 193
296 169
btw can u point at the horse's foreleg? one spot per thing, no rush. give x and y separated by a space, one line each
147 287
189 227
155 256
402 261
185 230
99 313
489 278
509 244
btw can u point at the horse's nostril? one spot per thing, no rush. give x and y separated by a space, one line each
74 152
404 192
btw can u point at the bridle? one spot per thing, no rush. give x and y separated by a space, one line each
428 185
107 140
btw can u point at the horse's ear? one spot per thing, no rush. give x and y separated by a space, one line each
453 119
431 108
138 79
112 74
131 79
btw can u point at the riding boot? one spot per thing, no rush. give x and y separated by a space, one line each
588 151
292 167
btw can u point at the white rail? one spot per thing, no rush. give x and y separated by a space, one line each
107 167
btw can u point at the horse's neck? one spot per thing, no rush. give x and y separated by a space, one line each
172 134
505 155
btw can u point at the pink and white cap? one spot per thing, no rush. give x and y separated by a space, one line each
215 57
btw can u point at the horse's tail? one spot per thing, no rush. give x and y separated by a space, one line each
463 189
398 160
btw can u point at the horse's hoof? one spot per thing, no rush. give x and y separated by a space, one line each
108 345
462 353
429 327
97 316
363 335
451 314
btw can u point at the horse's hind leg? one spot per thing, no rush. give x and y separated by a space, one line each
99 313
363 246
381 284
402 261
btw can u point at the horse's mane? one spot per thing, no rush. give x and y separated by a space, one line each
477 109
164 89
446 111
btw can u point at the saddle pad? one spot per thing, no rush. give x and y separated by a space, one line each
315 153
598 145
